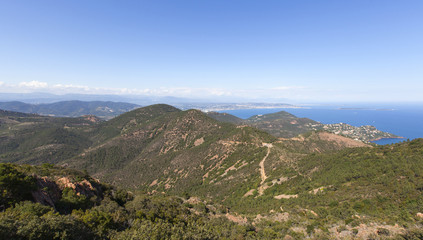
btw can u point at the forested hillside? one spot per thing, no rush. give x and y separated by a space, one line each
48 202
335 195
231 180
35 139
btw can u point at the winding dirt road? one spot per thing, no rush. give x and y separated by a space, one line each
262 171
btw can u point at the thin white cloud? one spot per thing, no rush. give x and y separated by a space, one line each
25 87
33 84
255 94
271 93
283 88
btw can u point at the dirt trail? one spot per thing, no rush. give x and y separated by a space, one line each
263 176
262 171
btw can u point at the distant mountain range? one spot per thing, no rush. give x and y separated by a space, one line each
43 97
103 110
37 98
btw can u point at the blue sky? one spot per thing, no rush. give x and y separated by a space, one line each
299 51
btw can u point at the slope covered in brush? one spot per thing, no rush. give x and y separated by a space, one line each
351 193
225 117
187 152
30 138
162 148
58 203
316 184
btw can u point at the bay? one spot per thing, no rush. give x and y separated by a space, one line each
404 120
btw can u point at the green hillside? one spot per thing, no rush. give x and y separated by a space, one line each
225 117
58 203
316 185
352 193
282 124
171 150
30 138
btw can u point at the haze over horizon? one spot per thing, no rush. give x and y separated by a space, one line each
286 51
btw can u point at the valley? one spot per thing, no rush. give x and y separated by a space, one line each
312 184
211 120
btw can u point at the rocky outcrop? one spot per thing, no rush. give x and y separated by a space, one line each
49 189
83 187
47 193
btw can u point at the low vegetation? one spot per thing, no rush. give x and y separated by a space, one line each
115 214
182 175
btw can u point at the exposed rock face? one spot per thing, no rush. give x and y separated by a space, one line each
49 191
236 219
199 141
83 187
91 118
286 196
340 140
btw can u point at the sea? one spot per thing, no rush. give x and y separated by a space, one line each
405 120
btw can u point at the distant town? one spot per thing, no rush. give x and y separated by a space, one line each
209 107
363 133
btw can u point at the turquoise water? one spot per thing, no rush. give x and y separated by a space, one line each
402 120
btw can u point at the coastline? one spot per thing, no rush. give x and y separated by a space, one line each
385 141
247 108
407 124
381 138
